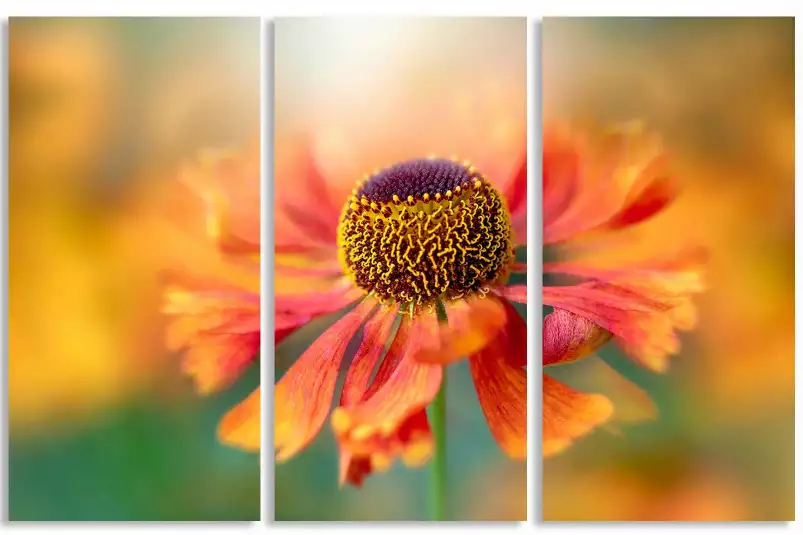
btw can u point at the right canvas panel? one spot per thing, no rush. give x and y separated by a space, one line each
668 232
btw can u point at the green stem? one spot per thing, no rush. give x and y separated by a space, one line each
437 485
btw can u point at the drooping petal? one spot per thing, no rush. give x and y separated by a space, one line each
401 388
569 414
471 323
240 427
303 396
501 385
569 337
376 334
631 403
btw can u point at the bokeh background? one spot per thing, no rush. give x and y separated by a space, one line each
102 114
721 94
366 93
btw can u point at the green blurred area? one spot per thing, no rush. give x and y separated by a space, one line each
145 460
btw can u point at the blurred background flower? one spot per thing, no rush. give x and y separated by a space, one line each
366 93
103 112
721 94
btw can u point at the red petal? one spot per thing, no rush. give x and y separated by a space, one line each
294 310
516 196
502 387
402 387
642 327
647 198
412 441
376 334
569 337
642 304
303 206
303 396
561 168
517 293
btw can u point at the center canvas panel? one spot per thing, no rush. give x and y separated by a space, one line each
400 268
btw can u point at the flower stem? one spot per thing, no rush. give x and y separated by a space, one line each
437 484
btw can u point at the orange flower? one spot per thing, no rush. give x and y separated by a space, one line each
420 254
213 295
593 190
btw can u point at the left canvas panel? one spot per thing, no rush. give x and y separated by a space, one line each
133 275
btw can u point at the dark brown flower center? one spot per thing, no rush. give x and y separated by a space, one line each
424 230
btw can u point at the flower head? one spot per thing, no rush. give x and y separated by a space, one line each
594 193
422 252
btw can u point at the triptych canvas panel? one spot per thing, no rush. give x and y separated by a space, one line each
398 221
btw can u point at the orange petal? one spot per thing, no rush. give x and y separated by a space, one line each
240 427
569 337
402 387
594 375
215 361
219 329
502 388
471 324
569 414
618 179
363 454
228 184
303 396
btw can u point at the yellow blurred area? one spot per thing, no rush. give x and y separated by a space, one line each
102 114
720 92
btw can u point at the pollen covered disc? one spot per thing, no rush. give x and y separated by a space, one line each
424 230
